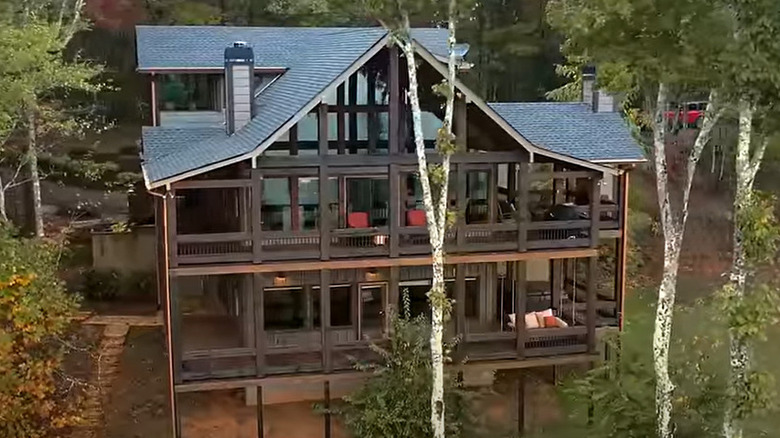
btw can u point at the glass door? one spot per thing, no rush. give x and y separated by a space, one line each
372 308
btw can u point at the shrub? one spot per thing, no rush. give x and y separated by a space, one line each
34 314
395 401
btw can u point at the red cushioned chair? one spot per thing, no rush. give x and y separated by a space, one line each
415 218
358 219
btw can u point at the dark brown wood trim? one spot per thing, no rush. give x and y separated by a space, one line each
325 319
294 139
380 262
521 378
294 217
170 208
394 114
393 295
623 255
460 302
352 83
325 226
260 413
373 126
356 376
461 124
322 130
460 200
595 210
590 311
521 290
396 209
257 220
556 280
211 183
469 159
341 134
176 336
522 207
563 175
326 391
167 310
260 347
492 193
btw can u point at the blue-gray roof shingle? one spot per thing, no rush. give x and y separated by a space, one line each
572 129
313 59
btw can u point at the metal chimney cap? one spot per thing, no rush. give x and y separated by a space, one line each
589 71
238 44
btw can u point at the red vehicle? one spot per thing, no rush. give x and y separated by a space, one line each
690 114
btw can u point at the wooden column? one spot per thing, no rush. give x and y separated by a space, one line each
294 203
460 171
492 193
623 254
520 305
260 413
340 123
257 220
373 126
461 125
353 120
595 210
393 295
176 337
523 219
556 281
294 139
259 292
396 209
520 385
324 207
460 303
170 211
394 113
325 319
511 182
326 391
590 310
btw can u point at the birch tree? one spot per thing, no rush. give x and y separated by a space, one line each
434 178
753 61
41 79
648 51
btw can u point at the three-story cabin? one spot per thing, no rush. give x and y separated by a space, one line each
290 216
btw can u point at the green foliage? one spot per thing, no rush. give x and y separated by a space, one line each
759 227
749 316
395 401
34 315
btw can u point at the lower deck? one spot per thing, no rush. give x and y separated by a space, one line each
254 325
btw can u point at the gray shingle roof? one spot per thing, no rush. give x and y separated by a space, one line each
572 129
170 47
313 57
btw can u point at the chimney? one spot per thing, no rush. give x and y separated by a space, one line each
239 86
588 83
599 100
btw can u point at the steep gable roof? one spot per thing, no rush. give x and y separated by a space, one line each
573 129
314 58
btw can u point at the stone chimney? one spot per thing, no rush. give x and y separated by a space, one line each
239 86
599 100
588 83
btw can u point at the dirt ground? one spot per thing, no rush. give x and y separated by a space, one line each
138 406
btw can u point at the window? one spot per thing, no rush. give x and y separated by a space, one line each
367 202
275 207
293 308
372 298
341 306
477 208
190 92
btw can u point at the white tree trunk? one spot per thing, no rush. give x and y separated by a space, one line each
746 169
435 213
35 178
673 229
3 211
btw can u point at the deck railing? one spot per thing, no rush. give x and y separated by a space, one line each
504 231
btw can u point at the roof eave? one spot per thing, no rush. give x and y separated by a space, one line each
530 147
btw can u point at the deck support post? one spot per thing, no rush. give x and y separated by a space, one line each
324 204
259 293
325 319
520 382
257 220
260 416
520 305
590 312
326 394
523 180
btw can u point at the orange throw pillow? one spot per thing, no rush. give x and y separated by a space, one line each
550 321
